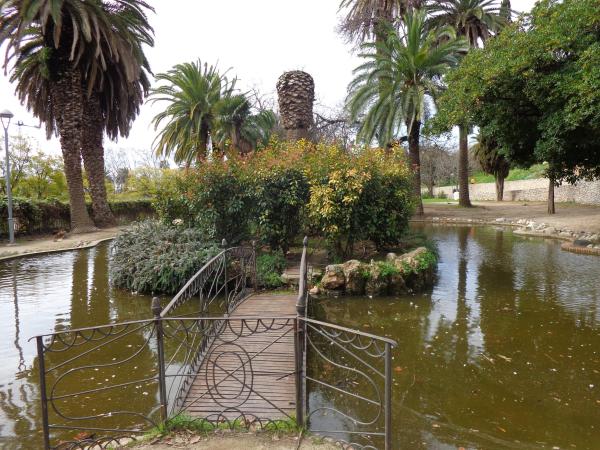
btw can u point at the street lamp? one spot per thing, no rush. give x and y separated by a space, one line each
5 117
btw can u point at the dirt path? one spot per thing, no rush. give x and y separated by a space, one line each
246 441
576 217
48 244
570 222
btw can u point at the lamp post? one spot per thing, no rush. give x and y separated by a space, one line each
5 116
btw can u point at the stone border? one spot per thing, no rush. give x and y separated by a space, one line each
525 227
570 247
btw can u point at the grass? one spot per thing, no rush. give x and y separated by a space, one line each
182 422
536 171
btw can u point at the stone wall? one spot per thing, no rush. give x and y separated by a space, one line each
584 192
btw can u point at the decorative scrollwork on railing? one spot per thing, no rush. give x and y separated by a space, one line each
220 285
349 385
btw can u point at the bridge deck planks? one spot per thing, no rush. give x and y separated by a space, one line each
223 387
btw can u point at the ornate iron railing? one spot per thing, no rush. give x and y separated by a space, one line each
348 382
345 382
220 285
114 381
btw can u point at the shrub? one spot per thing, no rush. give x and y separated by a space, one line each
152 257
342 197
215 198
280 196
269 267
365 197
48 216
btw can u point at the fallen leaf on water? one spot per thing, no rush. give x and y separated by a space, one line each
505 358
501 429
398 369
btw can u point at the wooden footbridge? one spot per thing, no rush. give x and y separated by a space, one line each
220 354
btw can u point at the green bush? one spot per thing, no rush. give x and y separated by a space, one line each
269 267
361 198
49 216
152 257
215 198
276 192
280 196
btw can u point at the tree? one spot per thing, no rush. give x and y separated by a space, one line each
536 89
62 52
19 160
194 93
237 123
438 165
296 96
390 90
113 104
366 20
492 161
476 21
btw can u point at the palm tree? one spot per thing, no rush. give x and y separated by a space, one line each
61 49
492 161
408 65
194 94
236 122
476 21
296 95
367 19
114 102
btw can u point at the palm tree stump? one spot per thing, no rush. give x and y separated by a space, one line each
296 94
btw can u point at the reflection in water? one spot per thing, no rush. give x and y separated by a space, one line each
502 353
41 295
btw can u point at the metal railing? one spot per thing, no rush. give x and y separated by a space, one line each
220 285
334 364
119 380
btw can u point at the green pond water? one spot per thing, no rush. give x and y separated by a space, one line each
503 352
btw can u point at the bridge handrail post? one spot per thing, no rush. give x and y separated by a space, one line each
253 262
43 395
224 247
300 338
162 387
388 396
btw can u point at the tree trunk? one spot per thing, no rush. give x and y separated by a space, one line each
415 160
463 167
92 150
551 205
68 111
499 188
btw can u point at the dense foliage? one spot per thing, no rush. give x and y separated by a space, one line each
269 267
154 257
49 216
290 188
535 89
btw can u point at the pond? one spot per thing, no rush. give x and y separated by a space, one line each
44 294
501 353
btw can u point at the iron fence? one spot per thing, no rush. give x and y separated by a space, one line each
203 365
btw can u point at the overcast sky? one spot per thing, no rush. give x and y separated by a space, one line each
258 40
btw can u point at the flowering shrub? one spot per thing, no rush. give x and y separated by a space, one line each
289 188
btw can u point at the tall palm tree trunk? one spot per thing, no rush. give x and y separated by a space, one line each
68 110
463 167
415 160
92 150
499 187
551 205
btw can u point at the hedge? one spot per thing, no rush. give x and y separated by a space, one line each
48 216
